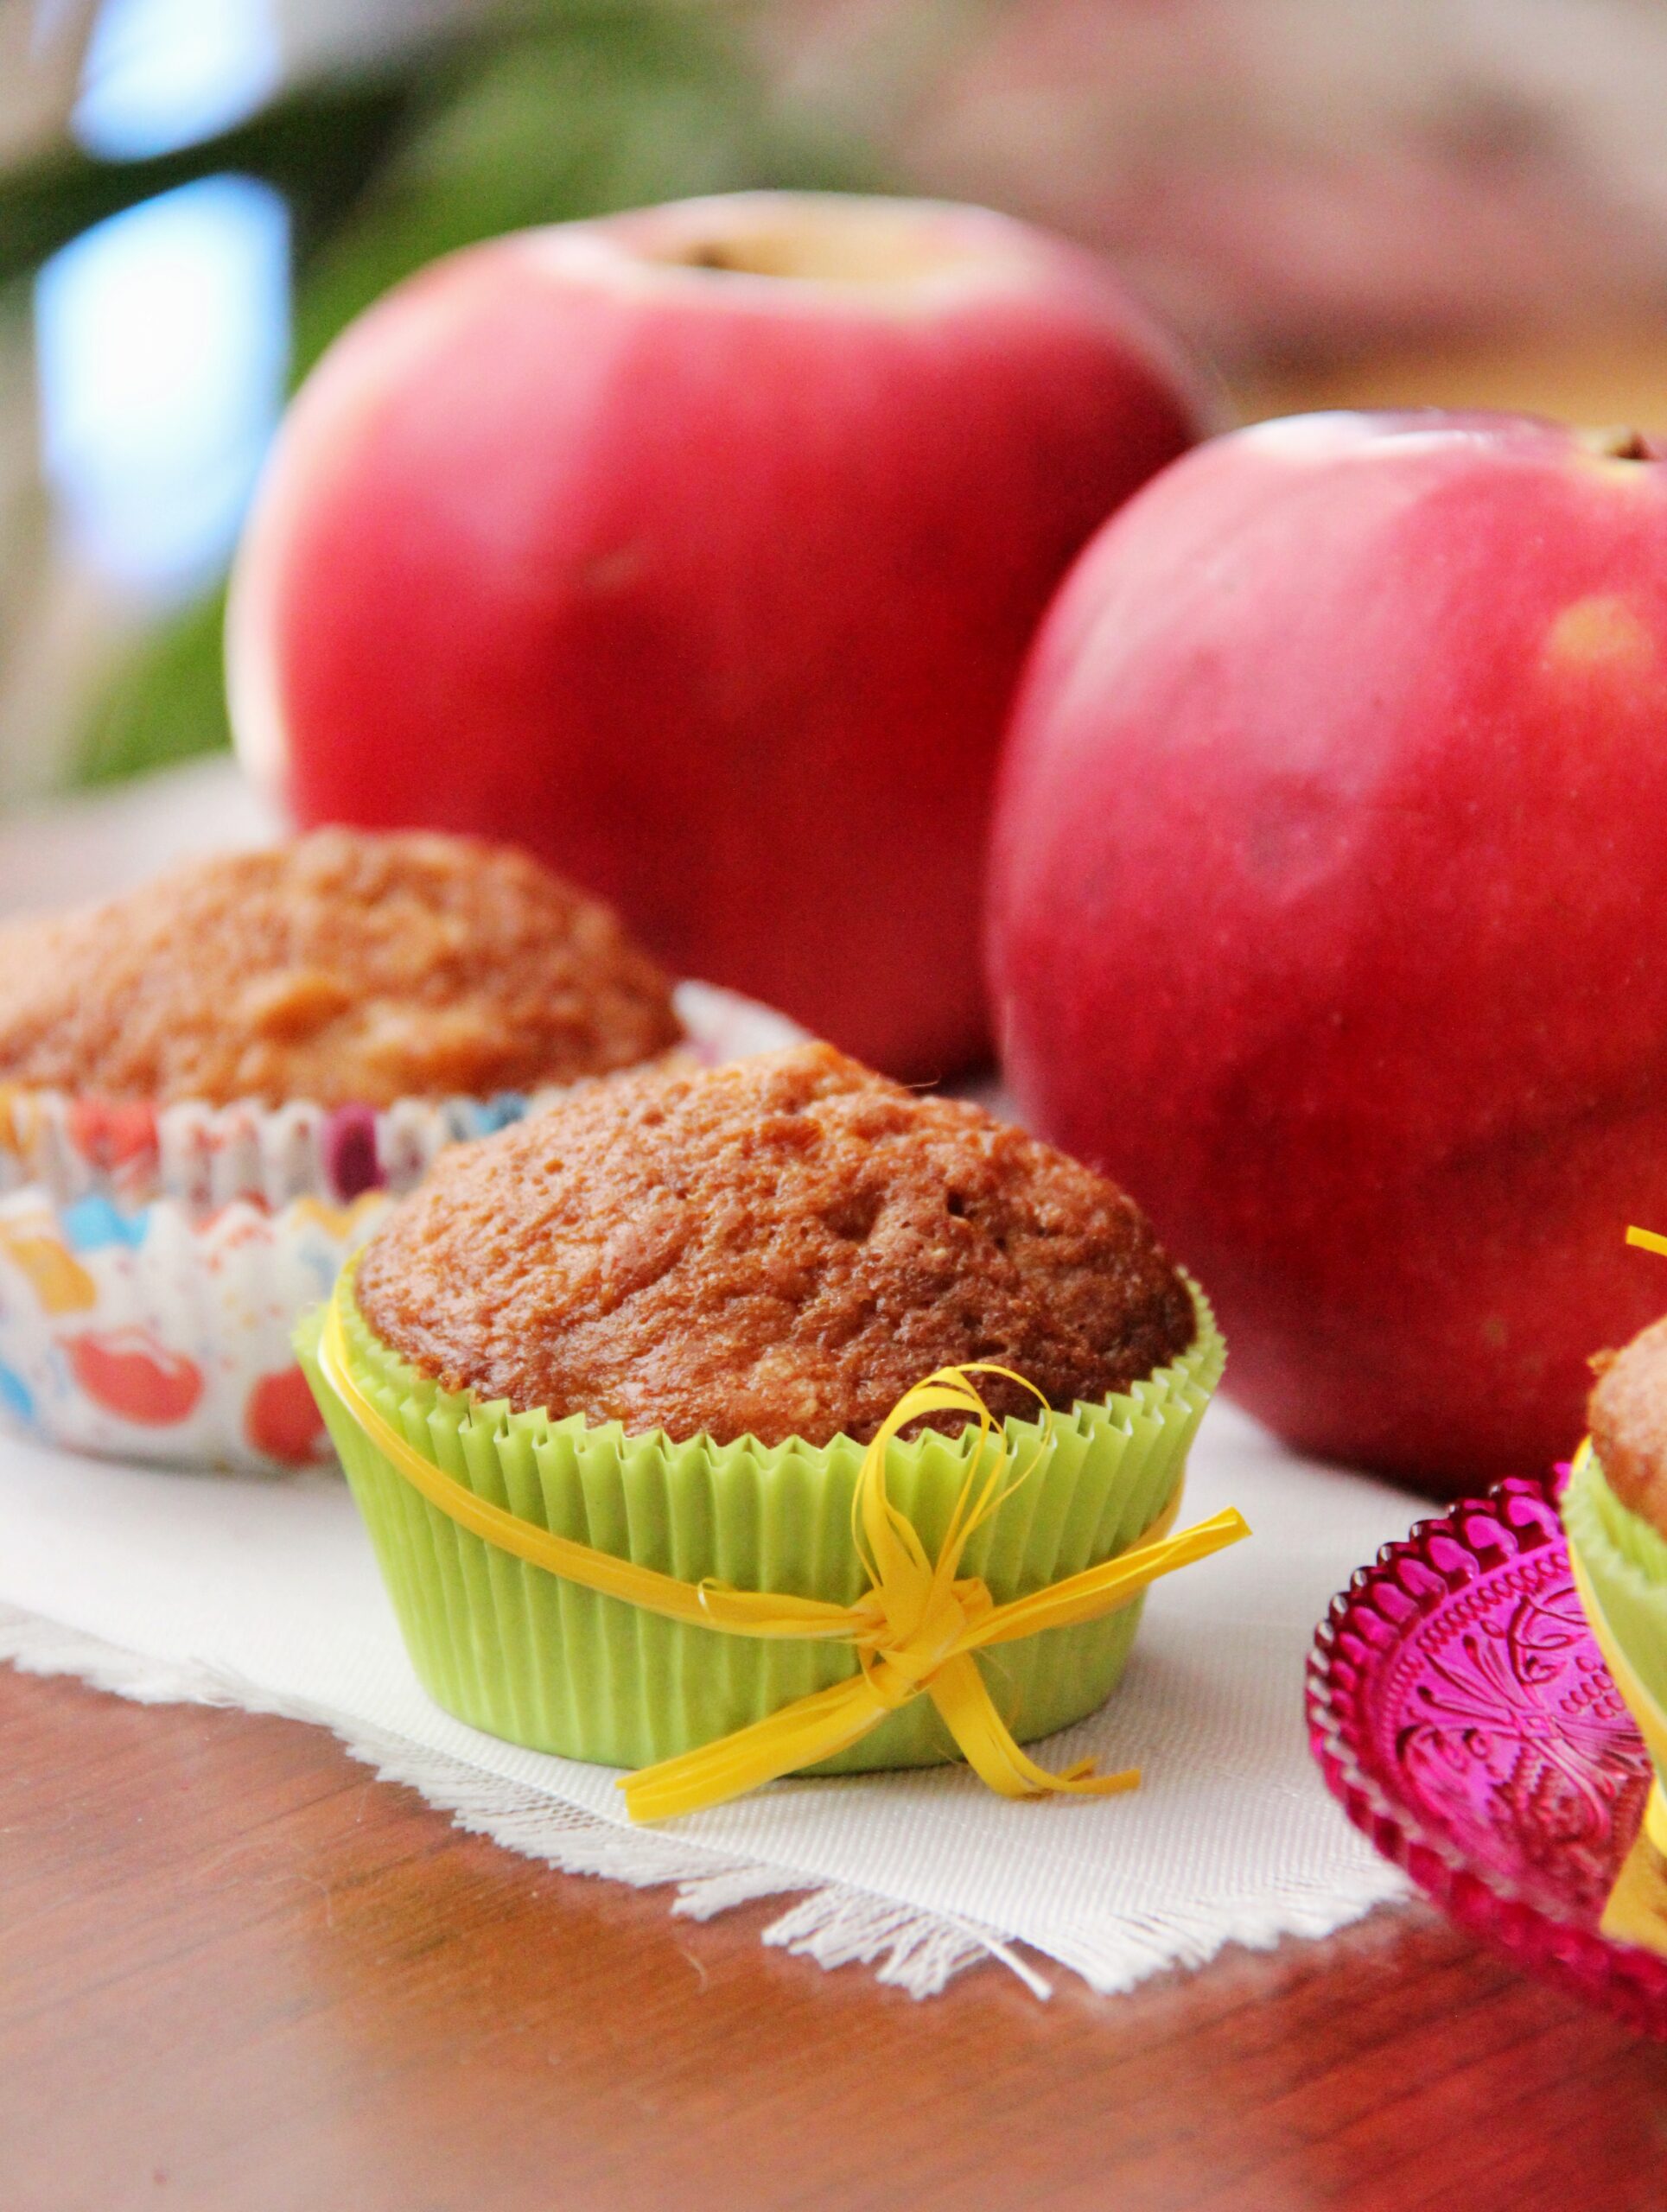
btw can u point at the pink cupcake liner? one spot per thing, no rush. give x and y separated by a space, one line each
1462 1714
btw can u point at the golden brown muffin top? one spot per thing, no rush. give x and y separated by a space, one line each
779 1247
1627 1414
346 967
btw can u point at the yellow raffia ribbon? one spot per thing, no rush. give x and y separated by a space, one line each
916 1630
1640 1898
1637 1909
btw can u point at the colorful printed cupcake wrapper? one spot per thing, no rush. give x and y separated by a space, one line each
526 1655
154 1335
130 1151
154 1260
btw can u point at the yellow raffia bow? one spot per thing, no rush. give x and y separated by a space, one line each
915 1629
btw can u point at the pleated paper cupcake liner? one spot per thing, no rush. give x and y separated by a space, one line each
154 1260
131 1152
154 1335
1625 1560
523 1655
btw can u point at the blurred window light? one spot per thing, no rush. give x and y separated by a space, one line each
162 339
162 74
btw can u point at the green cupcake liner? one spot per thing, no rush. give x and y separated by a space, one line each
1626 1561
524 1655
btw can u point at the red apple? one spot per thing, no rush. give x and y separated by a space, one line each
698 550
1330 856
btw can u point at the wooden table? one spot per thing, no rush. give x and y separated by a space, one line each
238 1973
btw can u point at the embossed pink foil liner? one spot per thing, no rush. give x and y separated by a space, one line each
1462 1714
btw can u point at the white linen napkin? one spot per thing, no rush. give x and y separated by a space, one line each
265 1595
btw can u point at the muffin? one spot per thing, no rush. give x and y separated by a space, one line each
346 969
209 1087
1615 1514
663 1318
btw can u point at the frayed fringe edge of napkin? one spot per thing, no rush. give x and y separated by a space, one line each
837 1924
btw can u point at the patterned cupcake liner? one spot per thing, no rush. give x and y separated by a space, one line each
524 1655
154 1259
130 1151
157 1334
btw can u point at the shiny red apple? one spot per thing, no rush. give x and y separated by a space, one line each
698 548
1330 872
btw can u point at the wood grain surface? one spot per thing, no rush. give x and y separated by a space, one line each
238 1973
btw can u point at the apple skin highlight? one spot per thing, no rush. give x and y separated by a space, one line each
1330 848
698 550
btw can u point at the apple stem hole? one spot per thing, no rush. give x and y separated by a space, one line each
1620 442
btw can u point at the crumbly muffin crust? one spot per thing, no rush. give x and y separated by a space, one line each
346 967
1627 1415
779 1247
